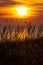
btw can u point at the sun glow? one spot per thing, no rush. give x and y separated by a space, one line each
18 11
22 11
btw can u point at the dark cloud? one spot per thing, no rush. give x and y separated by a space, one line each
36 4
4 3
3 14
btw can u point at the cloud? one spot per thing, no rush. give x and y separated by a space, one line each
5 3
36 4
3 14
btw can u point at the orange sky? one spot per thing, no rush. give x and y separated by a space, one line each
29 1
7 7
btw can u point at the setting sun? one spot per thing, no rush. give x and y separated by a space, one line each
22 11
18 11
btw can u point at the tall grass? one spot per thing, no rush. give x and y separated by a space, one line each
21 34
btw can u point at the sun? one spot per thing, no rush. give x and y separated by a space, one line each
21 10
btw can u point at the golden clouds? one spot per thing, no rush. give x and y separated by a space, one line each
29 1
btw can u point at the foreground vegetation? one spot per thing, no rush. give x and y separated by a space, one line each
20 32
28 52
21 45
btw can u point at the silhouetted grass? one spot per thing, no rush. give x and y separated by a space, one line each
28 52
22 46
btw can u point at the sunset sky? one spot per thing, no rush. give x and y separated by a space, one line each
7 8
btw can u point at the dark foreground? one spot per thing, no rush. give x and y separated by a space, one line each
28 52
